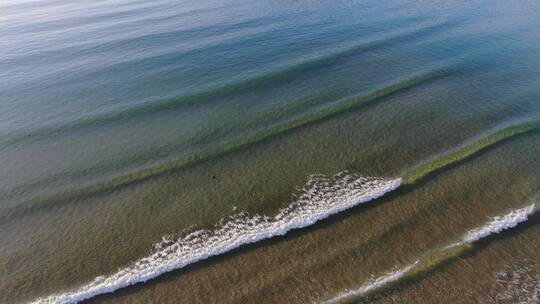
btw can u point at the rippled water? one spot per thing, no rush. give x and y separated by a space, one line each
269 151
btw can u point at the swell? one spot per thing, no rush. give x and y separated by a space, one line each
432 259
444 161
284 114
410 178
322 197
375 96
357 248
266 80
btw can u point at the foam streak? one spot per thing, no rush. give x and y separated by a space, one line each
499 223
373 284
320 198
426 262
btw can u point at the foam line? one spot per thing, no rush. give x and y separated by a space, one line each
373 284
322 197
494 226
499 223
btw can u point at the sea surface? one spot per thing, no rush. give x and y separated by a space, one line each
270 151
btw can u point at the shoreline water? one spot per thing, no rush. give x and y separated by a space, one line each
269 152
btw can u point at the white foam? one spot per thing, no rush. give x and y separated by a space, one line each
518 283
496 225
372 284
499 223
320 198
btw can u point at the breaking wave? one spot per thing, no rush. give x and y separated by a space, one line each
495 225
322 197
374 283
499 223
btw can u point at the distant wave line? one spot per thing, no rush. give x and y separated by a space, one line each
410 178
271 78
423 170
375 96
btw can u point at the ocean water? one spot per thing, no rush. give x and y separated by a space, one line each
269 151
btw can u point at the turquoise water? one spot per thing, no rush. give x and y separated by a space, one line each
126 126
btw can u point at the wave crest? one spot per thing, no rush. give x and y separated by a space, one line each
499 223
431 260
321 197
